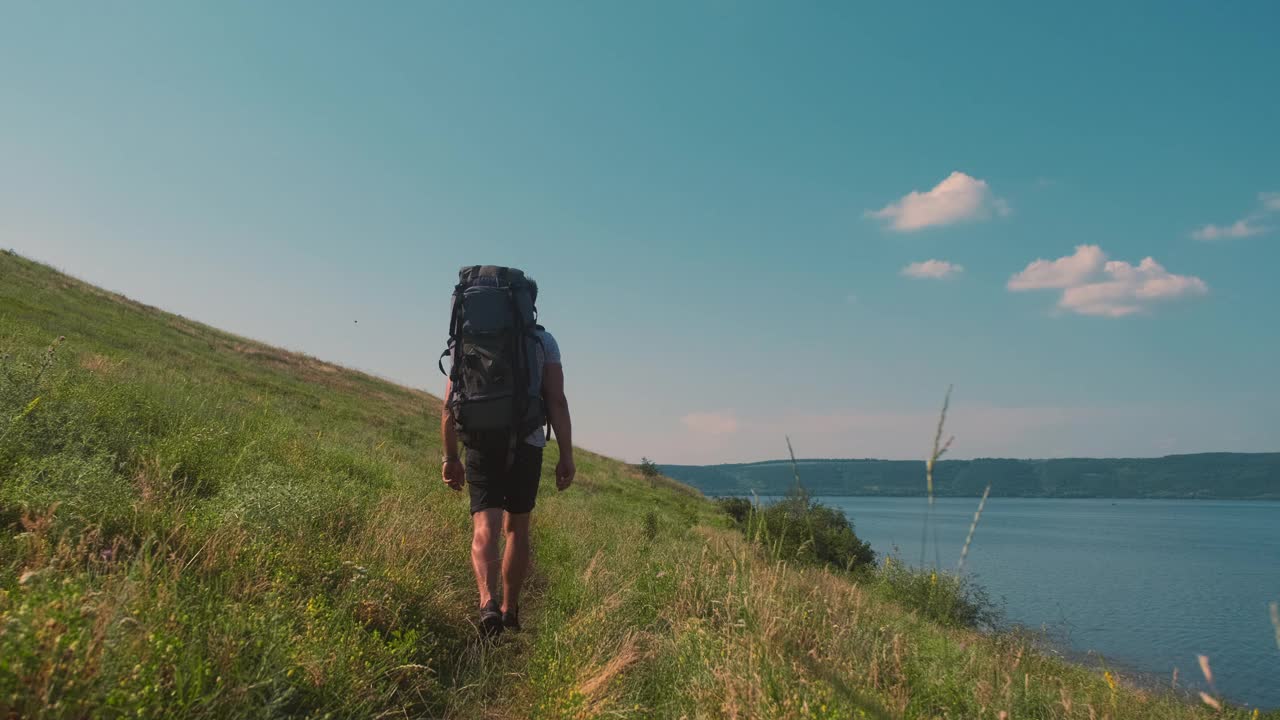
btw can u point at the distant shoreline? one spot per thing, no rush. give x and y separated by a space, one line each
1272 499
1201 476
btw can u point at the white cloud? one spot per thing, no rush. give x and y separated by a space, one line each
721 422
1063 272
1119 289
1237 229
1129 289
1269 202
935 269
958 198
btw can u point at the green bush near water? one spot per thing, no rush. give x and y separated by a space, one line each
947 598
798 528
801 529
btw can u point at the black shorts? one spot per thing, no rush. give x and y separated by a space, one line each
494 485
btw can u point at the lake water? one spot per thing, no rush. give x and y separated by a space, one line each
1146 585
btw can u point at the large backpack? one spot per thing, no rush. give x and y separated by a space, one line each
492 344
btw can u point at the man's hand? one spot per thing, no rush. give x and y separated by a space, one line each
565 472
453 474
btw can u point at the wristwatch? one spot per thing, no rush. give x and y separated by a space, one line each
448 459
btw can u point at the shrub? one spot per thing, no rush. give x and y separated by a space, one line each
800 529
946 598
651 525
737 508
650 470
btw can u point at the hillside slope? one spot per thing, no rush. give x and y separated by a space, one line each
197 525
1221 476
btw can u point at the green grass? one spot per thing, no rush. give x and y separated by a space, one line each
193 524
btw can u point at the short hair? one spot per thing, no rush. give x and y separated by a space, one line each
533 289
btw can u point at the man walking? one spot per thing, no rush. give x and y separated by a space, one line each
506 378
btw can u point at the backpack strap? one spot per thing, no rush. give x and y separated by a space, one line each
454 329
521 354
453 344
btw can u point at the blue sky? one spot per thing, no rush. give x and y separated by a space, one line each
716 198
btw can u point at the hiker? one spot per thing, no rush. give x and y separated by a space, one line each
505 383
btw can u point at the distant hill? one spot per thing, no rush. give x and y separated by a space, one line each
1251 476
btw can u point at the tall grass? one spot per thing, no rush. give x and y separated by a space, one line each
935 454
973 528
801 530
946 599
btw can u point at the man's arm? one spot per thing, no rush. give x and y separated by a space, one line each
558 414
451 471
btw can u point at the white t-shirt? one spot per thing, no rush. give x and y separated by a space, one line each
548 351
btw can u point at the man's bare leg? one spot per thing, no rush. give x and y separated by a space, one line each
486 527
515 560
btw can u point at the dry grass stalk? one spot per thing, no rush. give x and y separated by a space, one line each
939 449
627 654
973 527
96 363
795 470
591 566
1204 668
938 452
1275 620
1205 697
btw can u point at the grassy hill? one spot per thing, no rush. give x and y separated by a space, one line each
193 524
1243 476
